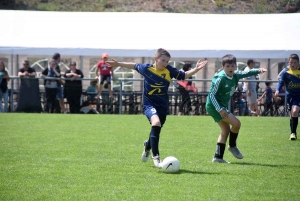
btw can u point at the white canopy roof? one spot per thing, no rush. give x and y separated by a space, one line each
141 34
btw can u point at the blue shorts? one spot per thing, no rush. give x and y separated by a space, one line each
60 93
292 101
150 111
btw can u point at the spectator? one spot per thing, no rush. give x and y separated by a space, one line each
268 104
51 86
91 90
60 94
3 87
73 87
29 95
106 73
184 92
250 89
26 71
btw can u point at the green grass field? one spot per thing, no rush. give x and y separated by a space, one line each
98 157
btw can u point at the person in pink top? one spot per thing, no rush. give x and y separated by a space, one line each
106 73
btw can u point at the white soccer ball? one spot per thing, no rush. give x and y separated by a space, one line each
170 164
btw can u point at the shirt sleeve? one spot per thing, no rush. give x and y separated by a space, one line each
212 94
280 82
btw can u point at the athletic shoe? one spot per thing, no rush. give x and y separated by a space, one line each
293 136
218 160
157 162
235 152
146 153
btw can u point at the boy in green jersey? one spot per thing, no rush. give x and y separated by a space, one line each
223 86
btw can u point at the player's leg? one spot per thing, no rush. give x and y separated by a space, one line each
234 131
221 143
294 121
156 121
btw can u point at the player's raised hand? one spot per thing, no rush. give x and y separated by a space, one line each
262 70
200 64
113 63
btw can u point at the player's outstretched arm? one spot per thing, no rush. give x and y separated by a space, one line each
263 70
200 64
115 63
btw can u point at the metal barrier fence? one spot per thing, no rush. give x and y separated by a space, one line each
130 102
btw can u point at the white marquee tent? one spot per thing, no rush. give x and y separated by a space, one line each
140 34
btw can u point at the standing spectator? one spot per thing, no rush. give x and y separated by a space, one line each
268 104
106 73
73 87
155 95
250 88
3 87
51 85
29 94
26 71
291 80
222 88
184 92
60 94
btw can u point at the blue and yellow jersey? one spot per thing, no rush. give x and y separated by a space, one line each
156 84
291 80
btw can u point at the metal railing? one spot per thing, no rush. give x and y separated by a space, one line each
135 97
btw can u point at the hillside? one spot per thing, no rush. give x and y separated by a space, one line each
173 6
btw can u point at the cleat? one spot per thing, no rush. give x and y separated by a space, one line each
235 152
293 136
157 162
146 153
218 160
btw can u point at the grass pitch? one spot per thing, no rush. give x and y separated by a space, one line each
98 157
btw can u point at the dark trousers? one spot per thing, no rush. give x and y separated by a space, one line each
73 95
185 99
50 102
268 107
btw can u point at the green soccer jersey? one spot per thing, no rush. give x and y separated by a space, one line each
223 87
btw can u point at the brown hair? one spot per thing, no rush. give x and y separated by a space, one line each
294 56
228 58
161 52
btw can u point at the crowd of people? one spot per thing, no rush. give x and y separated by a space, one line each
56 88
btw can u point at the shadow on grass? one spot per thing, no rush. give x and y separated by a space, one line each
183 171
261 164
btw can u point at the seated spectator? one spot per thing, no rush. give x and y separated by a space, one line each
50 86
73 87
3 87
92 90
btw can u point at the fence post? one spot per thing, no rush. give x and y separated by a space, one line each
11 98
120 98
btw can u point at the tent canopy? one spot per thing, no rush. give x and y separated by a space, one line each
141 34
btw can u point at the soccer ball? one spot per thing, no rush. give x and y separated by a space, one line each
170 164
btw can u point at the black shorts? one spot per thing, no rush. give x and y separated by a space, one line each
106 78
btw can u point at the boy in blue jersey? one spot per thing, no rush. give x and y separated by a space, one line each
157 78
290 78
223 86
